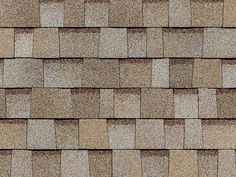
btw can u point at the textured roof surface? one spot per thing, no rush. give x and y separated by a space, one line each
117 88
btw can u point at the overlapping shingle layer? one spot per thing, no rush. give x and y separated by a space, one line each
117 88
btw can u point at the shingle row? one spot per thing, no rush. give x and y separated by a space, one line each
118 134
117 103
116 163
118 42
117 13
118 73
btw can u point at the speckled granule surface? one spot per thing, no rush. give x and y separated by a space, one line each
117 88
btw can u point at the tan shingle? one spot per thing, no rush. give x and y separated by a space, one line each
157 103
229 13
207 103
127 103
13 134
46 43
226 163
229 73
137 42
207 73
46 163
100 163
219 43
135 73
207 12
1 72
23 42
155 163
226 103
41 134
125 13
150 134
121 134
74 163
21 163
51 13
219 134
126 163
113 43
179 13
207 160
100 73
76 42
18 103
155 13
186 103
93 134
154 42
193 134
174 133
51 103
86 103
183 163
160 73
62 73
183 42
18 13
6 42
181 73
5 163
96 13
107 103
67 134
23 73
74 13
2 104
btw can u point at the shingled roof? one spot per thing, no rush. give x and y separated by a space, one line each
117 88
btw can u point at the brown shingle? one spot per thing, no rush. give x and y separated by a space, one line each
86 103
67 134
74 163
93 134
113 43
23 73
125 13
96 13
46 43
62 73
229 13
23 42
183 163
74 13
18 103
5 163
149 134
41 134
180 13
51 103
107 103
137 42
100 73
100 163
13 134
154 42
155 13
135 73
126 163
121 134
226 103
46 163
183 42
219 43
127 103
2 104
6 42
207 73
18 13
181 73
157 103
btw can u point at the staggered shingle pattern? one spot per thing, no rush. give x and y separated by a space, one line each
117 88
